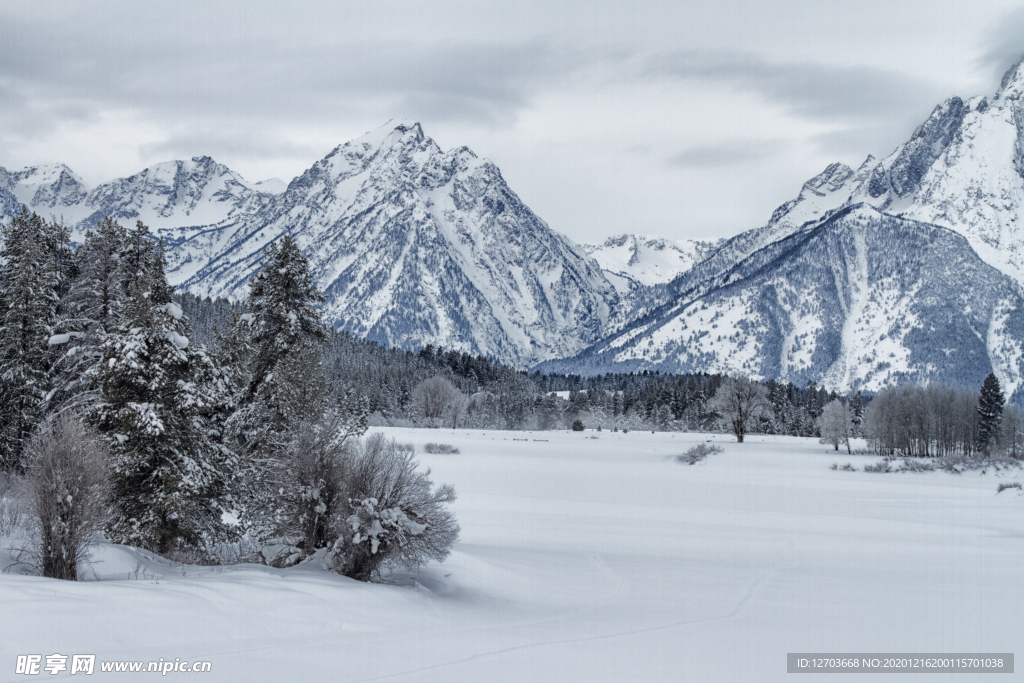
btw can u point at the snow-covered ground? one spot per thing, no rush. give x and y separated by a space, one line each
588 559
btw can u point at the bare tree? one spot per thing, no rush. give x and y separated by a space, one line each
436 399
740 401
69 490
923 421
836 425
1012 427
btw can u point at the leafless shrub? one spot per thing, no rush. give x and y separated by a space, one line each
882 466
1004 486
359 508
845 468
915 465
68 486
440 448
396 518
698 453
309 486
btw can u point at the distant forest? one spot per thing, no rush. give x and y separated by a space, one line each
501 397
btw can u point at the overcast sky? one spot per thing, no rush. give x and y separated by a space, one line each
679 119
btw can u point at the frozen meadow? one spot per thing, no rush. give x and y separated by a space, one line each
591 556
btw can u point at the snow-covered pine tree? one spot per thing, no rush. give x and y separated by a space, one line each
284 304
282 321
990 412
30 280
88 312
159 404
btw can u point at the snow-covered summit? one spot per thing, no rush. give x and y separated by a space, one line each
632 260
49 186
963 168
416 245
174 198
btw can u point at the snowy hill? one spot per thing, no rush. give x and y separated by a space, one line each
855 301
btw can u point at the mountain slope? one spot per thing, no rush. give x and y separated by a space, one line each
856 301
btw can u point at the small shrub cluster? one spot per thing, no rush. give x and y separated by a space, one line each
698 453
915 465
845 468
440 448
883 466
577 425
1004 486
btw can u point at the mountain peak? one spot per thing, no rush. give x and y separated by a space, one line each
1012 85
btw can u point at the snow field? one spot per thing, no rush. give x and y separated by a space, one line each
586 559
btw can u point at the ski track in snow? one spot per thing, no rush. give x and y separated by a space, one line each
569 641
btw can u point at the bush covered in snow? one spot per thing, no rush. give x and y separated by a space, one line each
360 507
396 516
882 466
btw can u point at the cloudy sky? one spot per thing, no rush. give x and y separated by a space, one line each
679 119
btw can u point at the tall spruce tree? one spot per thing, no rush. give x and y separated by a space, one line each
89 312
282 325
31 277
160 401
990 412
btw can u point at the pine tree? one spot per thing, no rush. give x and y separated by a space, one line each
160 400
89 312
283 321
990 412
30 283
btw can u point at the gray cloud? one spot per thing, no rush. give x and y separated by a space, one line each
292 80
1004 44
226 143
728 152
811 90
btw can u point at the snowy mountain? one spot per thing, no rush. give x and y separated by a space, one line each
176 199
849 317
631 261
857 300
415 245
963 169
